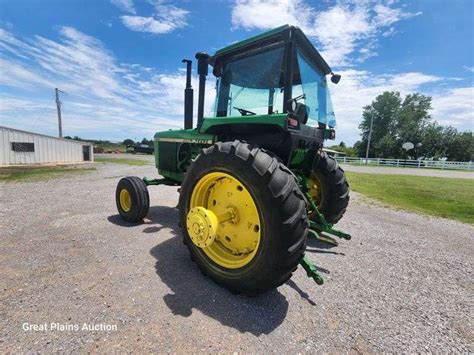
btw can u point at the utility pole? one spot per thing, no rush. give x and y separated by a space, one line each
370 136
58 106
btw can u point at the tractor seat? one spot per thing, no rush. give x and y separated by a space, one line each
301 113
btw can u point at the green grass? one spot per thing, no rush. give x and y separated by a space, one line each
41 174
442 197
386 166
121 161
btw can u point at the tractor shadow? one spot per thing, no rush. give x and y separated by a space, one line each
191 290
316 246
158 218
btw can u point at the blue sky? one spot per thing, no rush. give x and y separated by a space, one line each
119 61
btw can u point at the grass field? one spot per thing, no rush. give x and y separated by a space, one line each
443 197
125 161
41 174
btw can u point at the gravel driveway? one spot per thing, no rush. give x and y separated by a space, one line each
404 282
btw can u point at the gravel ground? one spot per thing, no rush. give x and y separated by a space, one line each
461 174
403 283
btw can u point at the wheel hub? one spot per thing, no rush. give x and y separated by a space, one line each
125 200
315 189
202 226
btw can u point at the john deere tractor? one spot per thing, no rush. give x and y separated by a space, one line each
254 179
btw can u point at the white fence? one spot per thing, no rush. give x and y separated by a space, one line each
430 164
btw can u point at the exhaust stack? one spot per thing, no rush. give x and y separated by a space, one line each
202 71
188 96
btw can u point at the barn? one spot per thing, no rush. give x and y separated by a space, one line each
19 147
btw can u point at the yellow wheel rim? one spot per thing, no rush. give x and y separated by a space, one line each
125 200
223 220
315 189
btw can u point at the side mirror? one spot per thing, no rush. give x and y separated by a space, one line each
335 78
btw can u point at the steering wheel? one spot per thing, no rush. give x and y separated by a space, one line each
244 112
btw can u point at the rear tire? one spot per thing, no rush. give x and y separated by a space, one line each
281 209
333 199
132 199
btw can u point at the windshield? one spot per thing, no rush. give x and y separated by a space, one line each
253 83
317 99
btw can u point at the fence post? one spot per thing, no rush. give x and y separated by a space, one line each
442 166
419 163
344 159
398 163
378 161
469 166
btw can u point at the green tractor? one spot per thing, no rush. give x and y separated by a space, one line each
254 179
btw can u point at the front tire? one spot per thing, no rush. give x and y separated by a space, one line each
329 188
255 179
132 199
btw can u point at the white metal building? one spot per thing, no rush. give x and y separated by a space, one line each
20 147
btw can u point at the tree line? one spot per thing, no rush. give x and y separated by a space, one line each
99 142
397 120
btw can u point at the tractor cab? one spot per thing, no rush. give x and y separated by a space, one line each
277 72
271 90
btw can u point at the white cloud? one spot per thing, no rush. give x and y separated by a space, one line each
340 31
146 24
165 19
471 69
104 98
268 14
455 107
124 5
386 16
411 81
13 74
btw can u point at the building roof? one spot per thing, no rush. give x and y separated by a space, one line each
44 135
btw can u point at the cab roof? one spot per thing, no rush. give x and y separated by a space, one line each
282 34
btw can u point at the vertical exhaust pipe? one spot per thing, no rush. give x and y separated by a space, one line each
188 96
202 71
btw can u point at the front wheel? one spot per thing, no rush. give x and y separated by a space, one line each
132 199
329 188
243 217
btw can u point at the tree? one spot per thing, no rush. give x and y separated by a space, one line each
413 117
432 140
459 146
146 141
128 142
384 111
396 121
341 147
359 148
387 147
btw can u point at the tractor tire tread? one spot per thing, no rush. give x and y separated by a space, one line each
336 185
140 199
288 200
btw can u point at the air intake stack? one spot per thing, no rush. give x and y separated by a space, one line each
188 96
203 62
